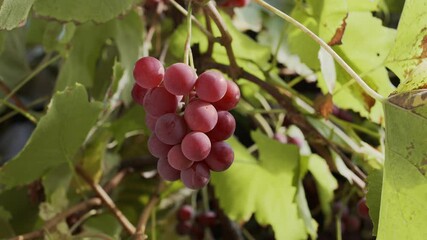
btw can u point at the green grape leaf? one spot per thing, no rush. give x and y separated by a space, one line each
325 182
13 64
87 45
7 230
56 139
346 28
82 11
402 212
23 211
373 197
13 13
408 57
248 185
132 120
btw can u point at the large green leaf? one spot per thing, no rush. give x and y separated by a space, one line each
404 189
266 188
88 42
83 11
56 139
408 57
373 197
13 13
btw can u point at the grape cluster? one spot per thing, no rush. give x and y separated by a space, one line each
189 119
194 224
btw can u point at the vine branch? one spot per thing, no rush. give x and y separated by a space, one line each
127 225
145 215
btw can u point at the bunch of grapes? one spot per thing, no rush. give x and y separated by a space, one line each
194 224
189 119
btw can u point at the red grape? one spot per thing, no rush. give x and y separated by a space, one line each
148 72
230 99
183 228
179 79
167 172
224 128
196 177
158 101
170 128
177 159
211 86
138 94
221 157
296 140
352 223
234 3
200 116
157 148
196 146
362 208
185 213
207 219
150 121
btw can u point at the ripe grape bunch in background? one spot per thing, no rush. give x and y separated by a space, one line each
189 119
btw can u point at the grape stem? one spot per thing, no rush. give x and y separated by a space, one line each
148 209
226 38
325 46
188 53
127 225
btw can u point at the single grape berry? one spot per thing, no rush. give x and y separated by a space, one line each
200 116
183 228
150 121
296 140
185 213
179 79
234 3
170 128
165 170
224 127
138 94
148 72
352 223
207 219
177 159
158 101
196 146
362 208
197 176
230 99
157 148
211 86
221 157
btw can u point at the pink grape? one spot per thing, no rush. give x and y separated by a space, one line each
158 101
234 3
167 172
177 159
150 121
185 213
200 116
280 137
230 99
138 94
221 157
196 146
179 79
211 86
224 127
197 176
157 148
170 128
148 72
362 208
